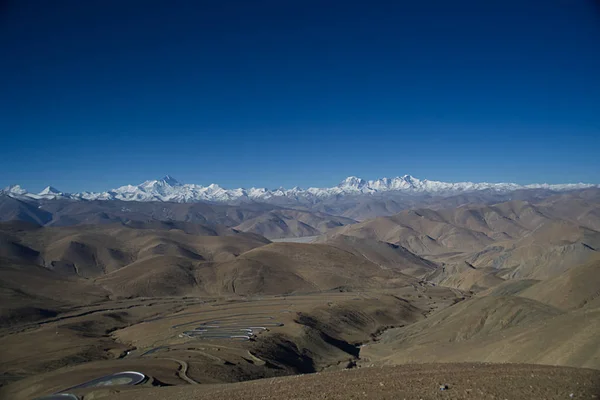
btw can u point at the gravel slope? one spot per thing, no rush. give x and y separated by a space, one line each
464 381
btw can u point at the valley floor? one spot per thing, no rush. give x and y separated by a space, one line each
181 341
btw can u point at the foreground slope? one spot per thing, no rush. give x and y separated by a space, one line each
464 381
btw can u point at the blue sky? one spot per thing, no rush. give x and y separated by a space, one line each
97 94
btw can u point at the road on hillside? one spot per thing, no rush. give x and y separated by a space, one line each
128 378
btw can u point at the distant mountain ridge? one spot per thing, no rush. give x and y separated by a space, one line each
168 189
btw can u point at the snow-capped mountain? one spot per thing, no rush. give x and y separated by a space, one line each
49 190
14 190
169 189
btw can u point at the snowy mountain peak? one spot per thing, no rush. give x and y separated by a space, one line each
352 182
170 190
169 180
49 190
14 190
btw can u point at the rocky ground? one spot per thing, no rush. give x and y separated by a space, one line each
425 381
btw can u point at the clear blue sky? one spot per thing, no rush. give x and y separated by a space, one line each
100 93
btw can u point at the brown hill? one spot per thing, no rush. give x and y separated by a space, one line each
30 292
292 223
155 262
386 255
156 276
572 289
423 232
90 251
464 276
496 329
274 226
170 262
265 219
472 319
482 246
509 288
298 267
544 252
16 210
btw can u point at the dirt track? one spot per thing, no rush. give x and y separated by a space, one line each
465 381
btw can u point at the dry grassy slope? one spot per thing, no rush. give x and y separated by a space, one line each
373 208
155 276
420 231
512 219
91 251
481 246
275 226
459 229
187 227
356 323
471 319
11 249
497 329
298 267
292 223
581 207
464 276
544 252
149 262
386 255
29 292
572 289
37 263
329 335
277 268
509 287
17 210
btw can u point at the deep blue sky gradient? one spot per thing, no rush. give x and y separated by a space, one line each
100 93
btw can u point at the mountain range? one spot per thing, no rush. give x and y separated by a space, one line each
168 189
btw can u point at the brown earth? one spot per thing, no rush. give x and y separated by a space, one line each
481 246
463 381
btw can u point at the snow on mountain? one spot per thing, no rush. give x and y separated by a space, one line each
14 190
169 189
49 190
352 183
49 193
